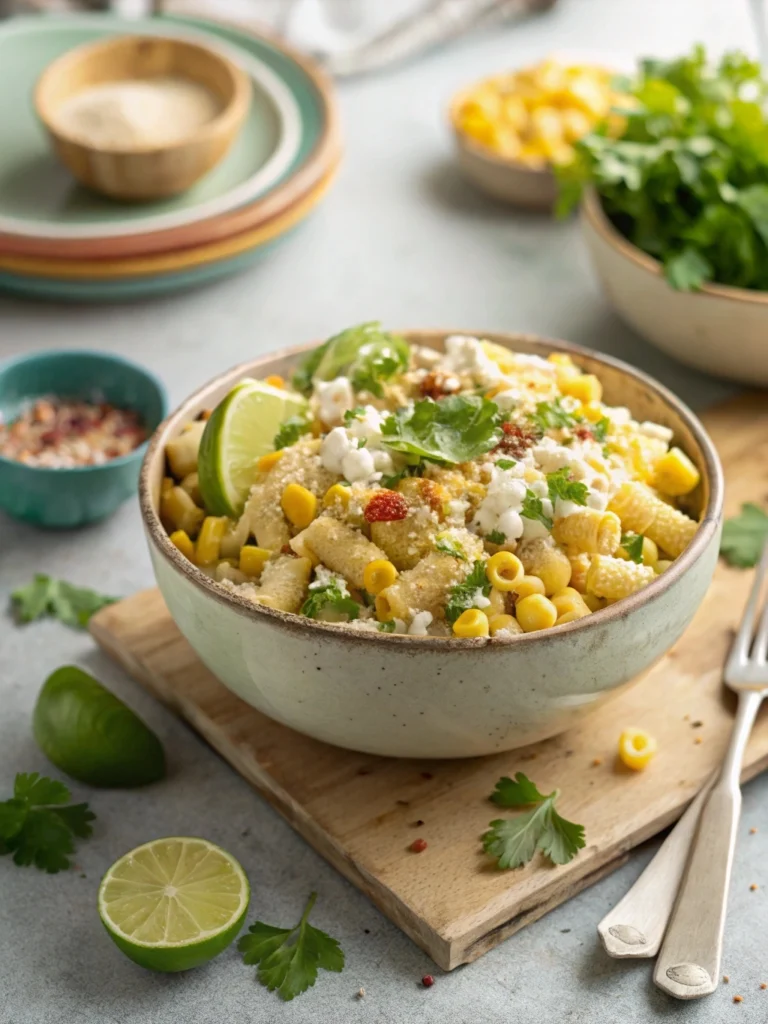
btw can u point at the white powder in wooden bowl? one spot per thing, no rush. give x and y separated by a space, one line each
137 114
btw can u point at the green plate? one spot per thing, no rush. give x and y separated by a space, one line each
38 198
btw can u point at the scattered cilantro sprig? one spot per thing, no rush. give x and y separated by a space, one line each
560 485
462 596
687 181
552 416
633 545
449 546
290 431
600 429
38 822
332 596
496 537
744 536
288 959
513 841
71 605
532 508
505 463
452 430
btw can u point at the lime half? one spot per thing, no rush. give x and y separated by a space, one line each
241 429
174 903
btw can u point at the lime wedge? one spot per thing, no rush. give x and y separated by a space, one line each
241 429
91 735
175 903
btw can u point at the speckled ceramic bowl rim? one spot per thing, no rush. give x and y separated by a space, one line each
295 623
596 217
103 357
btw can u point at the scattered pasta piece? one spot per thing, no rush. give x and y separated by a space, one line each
636 749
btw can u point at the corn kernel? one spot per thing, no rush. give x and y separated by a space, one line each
504 623
504 570
167 485
471 623
266 462
675 474
299 505
592 411
535 612
181 540
662 565
335 495
252 559
528 585
178 509
572 616
593 602
378 575
585 388
275 380
636 748
209 541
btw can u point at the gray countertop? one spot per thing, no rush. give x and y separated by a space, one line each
401 238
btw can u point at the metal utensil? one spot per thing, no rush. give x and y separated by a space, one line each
689 963
635 926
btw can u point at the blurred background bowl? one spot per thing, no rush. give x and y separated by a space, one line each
720 330
505 179
83 494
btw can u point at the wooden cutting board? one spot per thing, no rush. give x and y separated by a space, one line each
362 812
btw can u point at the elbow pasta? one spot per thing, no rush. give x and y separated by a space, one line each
381 520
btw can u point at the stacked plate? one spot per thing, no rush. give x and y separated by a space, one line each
58 240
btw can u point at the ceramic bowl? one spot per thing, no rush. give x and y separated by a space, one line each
149 172
73 497
720 330
407 696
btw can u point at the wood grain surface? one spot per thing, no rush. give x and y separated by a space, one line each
360 812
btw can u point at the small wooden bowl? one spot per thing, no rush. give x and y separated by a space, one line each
508 180
150 172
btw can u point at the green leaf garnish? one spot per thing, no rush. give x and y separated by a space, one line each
686 181
744 536
452 430
366 354
71 605
290 431
288 959
496 537
532 508
463 595
353 414
552 416
388 626
505 463
561 486
449 546
513 841
633 545
601 428
37 828
332 596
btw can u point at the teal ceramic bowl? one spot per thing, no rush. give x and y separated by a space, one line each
85 494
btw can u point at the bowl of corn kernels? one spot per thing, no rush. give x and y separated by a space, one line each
513 129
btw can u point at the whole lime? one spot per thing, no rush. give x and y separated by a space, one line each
91 735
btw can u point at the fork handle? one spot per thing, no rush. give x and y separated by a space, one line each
689 963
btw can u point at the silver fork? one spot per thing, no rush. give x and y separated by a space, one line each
689 963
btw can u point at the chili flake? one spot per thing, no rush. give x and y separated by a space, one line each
386 507
516 440
427 981
418 846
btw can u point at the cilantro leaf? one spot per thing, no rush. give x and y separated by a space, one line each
688 270
513 841
505 463
449 546
332 596
391 482
744 536
71 605
288 959
633 545
353 414
516 793
601 428
366 354
561 486
35 826
387 627
290 431
463 595
496 537
552 416
532 508
452 430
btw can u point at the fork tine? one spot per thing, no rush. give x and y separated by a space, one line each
760 647
743 640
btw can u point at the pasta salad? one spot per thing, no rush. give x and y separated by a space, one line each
472 492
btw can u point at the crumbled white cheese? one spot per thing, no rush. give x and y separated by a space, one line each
333 449
505 493
564 508
510 523
656 431
334 398
325 578
457 511
357 465
524 359
507 399
466 355
367 426
619 415
598 500
420 623
534 528
479 600
382 462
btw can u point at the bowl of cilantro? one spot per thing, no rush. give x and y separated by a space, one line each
675 212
